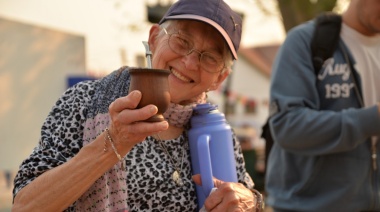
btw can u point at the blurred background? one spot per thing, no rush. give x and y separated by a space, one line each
47 46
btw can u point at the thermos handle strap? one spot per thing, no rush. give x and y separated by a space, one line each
205 164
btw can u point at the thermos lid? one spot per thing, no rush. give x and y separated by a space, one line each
207 114
205 108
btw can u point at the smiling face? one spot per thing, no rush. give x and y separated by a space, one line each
187 79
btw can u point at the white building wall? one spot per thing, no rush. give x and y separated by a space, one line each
249 83
34 65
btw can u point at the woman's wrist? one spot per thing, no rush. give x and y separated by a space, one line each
109 138
259 203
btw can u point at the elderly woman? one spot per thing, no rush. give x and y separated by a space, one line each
93 130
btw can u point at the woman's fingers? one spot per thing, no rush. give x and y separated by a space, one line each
197 179
127 126
127 102
228 196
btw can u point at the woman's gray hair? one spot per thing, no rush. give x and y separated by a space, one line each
228 61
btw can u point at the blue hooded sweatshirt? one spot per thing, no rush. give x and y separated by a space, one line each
321 159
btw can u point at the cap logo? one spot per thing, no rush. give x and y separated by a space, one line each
233 21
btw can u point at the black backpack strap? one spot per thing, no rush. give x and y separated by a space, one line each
325 38
266 134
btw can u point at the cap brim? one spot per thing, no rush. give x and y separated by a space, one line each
212 23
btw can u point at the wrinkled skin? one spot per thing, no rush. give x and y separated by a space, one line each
229 197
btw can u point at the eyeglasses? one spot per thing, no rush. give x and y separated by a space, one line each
182 45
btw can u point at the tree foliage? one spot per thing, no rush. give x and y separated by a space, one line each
295 12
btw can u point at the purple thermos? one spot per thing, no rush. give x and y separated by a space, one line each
211 149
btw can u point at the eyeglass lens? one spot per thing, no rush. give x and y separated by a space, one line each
183 46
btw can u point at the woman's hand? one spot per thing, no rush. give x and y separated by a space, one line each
125 127
230 197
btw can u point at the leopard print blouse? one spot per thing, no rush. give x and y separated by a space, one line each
149 170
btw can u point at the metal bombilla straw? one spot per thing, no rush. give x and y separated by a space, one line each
148 54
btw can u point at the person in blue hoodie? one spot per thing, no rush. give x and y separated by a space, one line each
326 149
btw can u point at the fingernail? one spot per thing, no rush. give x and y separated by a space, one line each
164 124
153 109
135 93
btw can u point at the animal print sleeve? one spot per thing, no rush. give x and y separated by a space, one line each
243 175
61 135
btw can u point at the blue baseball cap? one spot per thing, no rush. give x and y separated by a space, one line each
213 12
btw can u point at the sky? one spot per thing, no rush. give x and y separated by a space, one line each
114 26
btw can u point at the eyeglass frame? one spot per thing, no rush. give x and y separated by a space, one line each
191 50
